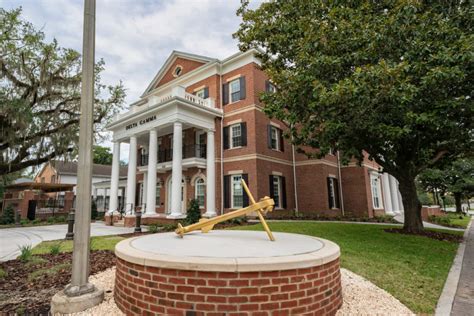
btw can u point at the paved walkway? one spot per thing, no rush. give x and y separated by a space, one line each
400 219
464 299
13 238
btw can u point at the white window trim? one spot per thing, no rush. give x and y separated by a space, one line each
196 190
232 205
277 141
280 199
200 91
230 90
334 195
378 189
231 143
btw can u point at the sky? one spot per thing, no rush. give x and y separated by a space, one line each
134 37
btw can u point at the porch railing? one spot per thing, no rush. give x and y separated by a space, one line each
165 155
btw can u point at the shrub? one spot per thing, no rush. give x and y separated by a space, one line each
36 221
194 213
153 228
24 221
8 216
3 274
51 220
60 219
441 220
94 212
55 249
171 227
25 253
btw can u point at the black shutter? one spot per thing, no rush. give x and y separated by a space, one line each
245 177
226 137
242 88
329 193
206 92
269 136
272 189
225 93
267 85
282 144
243 129
283 192
336 192
226 191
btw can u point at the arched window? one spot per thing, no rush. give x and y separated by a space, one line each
200 187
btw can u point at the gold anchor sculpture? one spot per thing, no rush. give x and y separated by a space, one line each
261 207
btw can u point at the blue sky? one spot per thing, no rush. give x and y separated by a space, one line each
135 37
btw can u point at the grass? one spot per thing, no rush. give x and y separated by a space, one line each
459 220
411 268
49 271
3 273
97 243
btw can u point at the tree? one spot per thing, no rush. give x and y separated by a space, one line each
102 155
434 181
392 79
193 213
40 96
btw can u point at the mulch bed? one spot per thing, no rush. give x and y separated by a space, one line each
428 233
21 296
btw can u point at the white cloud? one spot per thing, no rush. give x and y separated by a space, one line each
135 37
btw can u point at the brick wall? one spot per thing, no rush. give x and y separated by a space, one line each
141 290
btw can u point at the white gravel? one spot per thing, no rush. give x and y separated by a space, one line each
361 297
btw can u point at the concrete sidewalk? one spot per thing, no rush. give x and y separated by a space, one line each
11 239
464 298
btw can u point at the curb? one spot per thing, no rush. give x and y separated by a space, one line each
446 299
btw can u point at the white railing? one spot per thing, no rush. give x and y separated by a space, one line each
176 92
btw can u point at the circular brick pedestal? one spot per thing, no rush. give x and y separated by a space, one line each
228 273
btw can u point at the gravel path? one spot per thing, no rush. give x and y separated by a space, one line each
361 297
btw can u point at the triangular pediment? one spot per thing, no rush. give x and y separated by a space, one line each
169 71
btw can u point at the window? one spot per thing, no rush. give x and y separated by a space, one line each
376 191
42 179
203 93
333 193
178 71
275 138
234 90
200 186
270 87
235 136
53 179
237 196
157 194
278 191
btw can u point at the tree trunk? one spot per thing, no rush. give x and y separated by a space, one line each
435 198
458 201
413 222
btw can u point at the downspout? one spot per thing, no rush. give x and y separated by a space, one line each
221 138
294 178
340 182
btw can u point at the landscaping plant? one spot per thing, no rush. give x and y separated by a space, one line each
8 216
94 212
194 212
55 249
25 253
153 228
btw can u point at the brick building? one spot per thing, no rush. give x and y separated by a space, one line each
199 128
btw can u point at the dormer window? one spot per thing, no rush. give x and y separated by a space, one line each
178 70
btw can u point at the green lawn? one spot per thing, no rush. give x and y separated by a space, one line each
97 243
459 220
411 268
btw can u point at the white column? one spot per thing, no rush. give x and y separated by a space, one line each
386 194
394 194
177 172
145 184
151 185
132 175
114 179
211 176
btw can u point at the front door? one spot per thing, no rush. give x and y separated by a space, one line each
169 194
31 210
200 144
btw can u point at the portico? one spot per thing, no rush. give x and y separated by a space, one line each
168 133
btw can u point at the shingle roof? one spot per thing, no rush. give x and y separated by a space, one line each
70 167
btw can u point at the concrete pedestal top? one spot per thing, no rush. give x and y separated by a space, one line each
227 250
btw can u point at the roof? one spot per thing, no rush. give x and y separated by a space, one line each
45 187
70 167
21 180
175 54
